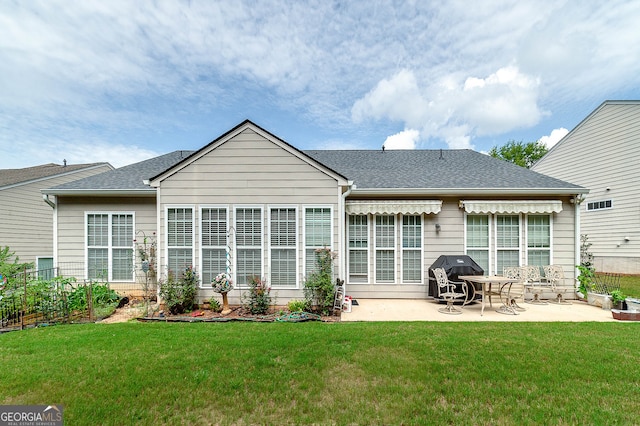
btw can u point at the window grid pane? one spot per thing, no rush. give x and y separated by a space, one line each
249 265
385 231
411 248
98 264
384 266
283 267
317 222
214 261
481 257
122 230
539 257
538 231
477 231
214 227
249 227
508 232
411 232
283 227
179 260
122 267
97 230
180 227
411 266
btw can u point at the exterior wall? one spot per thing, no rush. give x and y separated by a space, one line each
250 170
26 221
602 154
451 241
71 241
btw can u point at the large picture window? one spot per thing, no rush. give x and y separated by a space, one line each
214 243
317 235
179 239
507 241
283 225
477 239
110 246
358 230
539 240
385 248
411 249
248 244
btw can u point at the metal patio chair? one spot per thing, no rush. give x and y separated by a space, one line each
534 284
557 283
516 290
448 291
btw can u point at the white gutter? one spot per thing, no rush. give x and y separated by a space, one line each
466 191
46 199
342 268
99 192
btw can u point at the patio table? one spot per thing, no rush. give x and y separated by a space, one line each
486 282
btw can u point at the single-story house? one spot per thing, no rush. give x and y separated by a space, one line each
252 204
604 153
26 223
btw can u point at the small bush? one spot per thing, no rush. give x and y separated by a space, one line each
297 306
258 299
319 289
180 294
214 305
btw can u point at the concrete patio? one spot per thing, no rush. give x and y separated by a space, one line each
427 310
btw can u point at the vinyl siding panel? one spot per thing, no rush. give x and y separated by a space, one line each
26 221
603 154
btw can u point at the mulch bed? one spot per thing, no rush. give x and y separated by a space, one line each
239 313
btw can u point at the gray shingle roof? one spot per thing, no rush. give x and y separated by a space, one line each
391 169
27 174
129 177
433 169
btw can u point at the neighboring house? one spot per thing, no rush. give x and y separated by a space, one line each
602 153
26 222
252 204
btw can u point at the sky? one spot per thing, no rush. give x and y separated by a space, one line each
121 81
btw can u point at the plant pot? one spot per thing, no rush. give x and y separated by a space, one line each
633 304
599 299
625 315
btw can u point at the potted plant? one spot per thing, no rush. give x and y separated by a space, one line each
617 299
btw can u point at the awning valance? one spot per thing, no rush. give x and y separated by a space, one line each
512 206
393 207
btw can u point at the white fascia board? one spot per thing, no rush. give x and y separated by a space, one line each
468 191
102 192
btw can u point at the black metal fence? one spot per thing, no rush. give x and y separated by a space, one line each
37 297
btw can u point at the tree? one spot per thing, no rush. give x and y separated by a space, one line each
520 153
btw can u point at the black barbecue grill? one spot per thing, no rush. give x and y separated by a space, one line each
454 266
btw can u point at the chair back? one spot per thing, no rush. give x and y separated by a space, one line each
515 272
441 278
532 274
554 273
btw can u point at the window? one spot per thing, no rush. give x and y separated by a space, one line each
179 239
214 243
358 230
477 239
283 247
599 205
411 249
110 246
539 240
248 244
317 235
385 248
507 241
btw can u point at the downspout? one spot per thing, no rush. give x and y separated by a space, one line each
341 232
576 210
53 203
46 199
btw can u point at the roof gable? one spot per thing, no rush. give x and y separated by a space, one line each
230 135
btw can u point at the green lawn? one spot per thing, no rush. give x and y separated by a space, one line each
630 285
327 373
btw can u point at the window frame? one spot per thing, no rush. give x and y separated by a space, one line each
393 247
488 248
166 234
201 234
294 247
497 249
550 248
237 247
591 205
110 247
305 261
366 249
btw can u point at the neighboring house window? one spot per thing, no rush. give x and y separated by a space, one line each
358 230
411 249
283 226
507 241
46 271
599 205
317 235
214 243
477 237
179 239
385 248
110 246
248 244
539 240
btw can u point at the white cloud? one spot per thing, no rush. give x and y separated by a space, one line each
406 139
554 137
452 110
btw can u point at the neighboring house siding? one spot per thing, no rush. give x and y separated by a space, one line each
72 225
603 154
26 221
250 171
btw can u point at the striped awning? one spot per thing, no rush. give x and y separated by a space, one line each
393 207
512 206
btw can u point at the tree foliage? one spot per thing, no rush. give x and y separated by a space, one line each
523 154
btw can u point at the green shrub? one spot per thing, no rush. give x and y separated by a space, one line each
258 299
179 295
297 306
214 305
319 290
